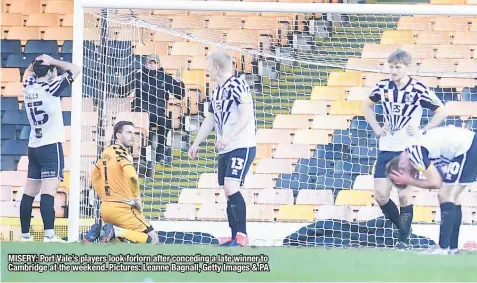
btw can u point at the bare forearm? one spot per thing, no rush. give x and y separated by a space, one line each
205 129
75 70
436 121
424 184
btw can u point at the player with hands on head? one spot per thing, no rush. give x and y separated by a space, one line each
403 99
116 183
42 88
231 113
447 157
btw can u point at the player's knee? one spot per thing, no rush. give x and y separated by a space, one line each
231 186
32 188
445 195
405 198
50 187
381 197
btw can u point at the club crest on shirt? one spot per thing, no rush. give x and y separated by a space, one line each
218 106
386 95
409 97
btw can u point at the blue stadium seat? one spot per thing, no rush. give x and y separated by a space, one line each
8 132
67 118
471 124
139 61
9 163
15 118
314 166
335 182
9 103
67 57
469 94
452 120
295 181
25 133
343 137
446 94
332 151
346 167
363 152
10 46
67 47
41 46
359 123
369 160
369 142
20 60
15 147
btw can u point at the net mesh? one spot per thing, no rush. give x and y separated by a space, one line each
309 74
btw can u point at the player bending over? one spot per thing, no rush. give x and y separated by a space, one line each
447 157
231 112
42 87
403 99
116 182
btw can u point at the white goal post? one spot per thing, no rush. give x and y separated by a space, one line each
74 194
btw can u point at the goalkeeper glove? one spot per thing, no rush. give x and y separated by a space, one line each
138 204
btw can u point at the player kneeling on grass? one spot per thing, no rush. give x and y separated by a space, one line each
231 112
447 157
42 88
115 181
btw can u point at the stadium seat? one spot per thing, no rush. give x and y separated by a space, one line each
68 20
41 46
414 23
274 166
194 79
258 181
296 181
337 212
8 133
308 107
448 2
21 61
179 211
349 108
6 193
23 33
58 33
418 51
330 122
313 137
314 166
187 49
453 52
188 22
437 65
58 7
433 37
467 66
468 199
208 181
67 46
469 94
332 151
275 197
292 121
426 199
295 213
364 182
12 20
158 36
347 167
451 23
42 20
359 93
10 47
471 124
292 151
9 103
366 213
314 197
457 82
452 120
274 136
225 23
22 6
371 79
212 212
354 198
10 209
13 178
13 89
346 79
378 51
423 214
197 196
465 37
264 151
260 213
364 64
397 37
328 93
431 82
15 118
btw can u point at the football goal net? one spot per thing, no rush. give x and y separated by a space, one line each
309 67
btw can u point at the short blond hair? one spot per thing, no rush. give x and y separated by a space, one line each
400 56
222 60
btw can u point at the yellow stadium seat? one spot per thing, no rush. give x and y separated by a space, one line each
453 51
12 20
330 122
13 178
354 198
338 212
23 33
225 23
461 108
419 51
295 213
13 89
433 37
447 2
429 81
423 214
451 23
397 37
10 75
6 193
208 181
414 23
187 49
170 12
58 7
61 33
312 137
22 6
148 48
275 197
212 34
358 93
179 211
473 25
174 62
328 93
467 66
246 38
68 20
363 63
264 151
308 107
66 103
194 79
457 82
426 198
258 181
345 79
465 37
42 20
378 51
371 79
274 136
260 213
349 108
274 166
474 54
315 197
188 22
386 70
292 151
292 121
198 196
198 63
212 212
158 36
368 212
206 13
437 65
364 183
468 199
140 120
10 209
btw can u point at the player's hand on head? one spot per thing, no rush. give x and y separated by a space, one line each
400 179
47 59
193 150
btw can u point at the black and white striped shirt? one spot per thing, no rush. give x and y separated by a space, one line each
224 104
402 107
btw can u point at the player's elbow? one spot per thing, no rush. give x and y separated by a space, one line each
435 183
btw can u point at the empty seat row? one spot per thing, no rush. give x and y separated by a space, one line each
36 20
429 37
38 6
438 23
420 66
31 33
429 51
35 46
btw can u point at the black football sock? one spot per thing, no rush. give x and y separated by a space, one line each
239 209
447 223
47 210
454 240
392 213
26 206
231 218
405 218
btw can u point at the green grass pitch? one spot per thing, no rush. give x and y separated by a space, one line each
285 263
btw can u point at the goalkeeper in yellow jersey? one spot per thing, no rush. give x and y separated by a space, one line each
116 183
